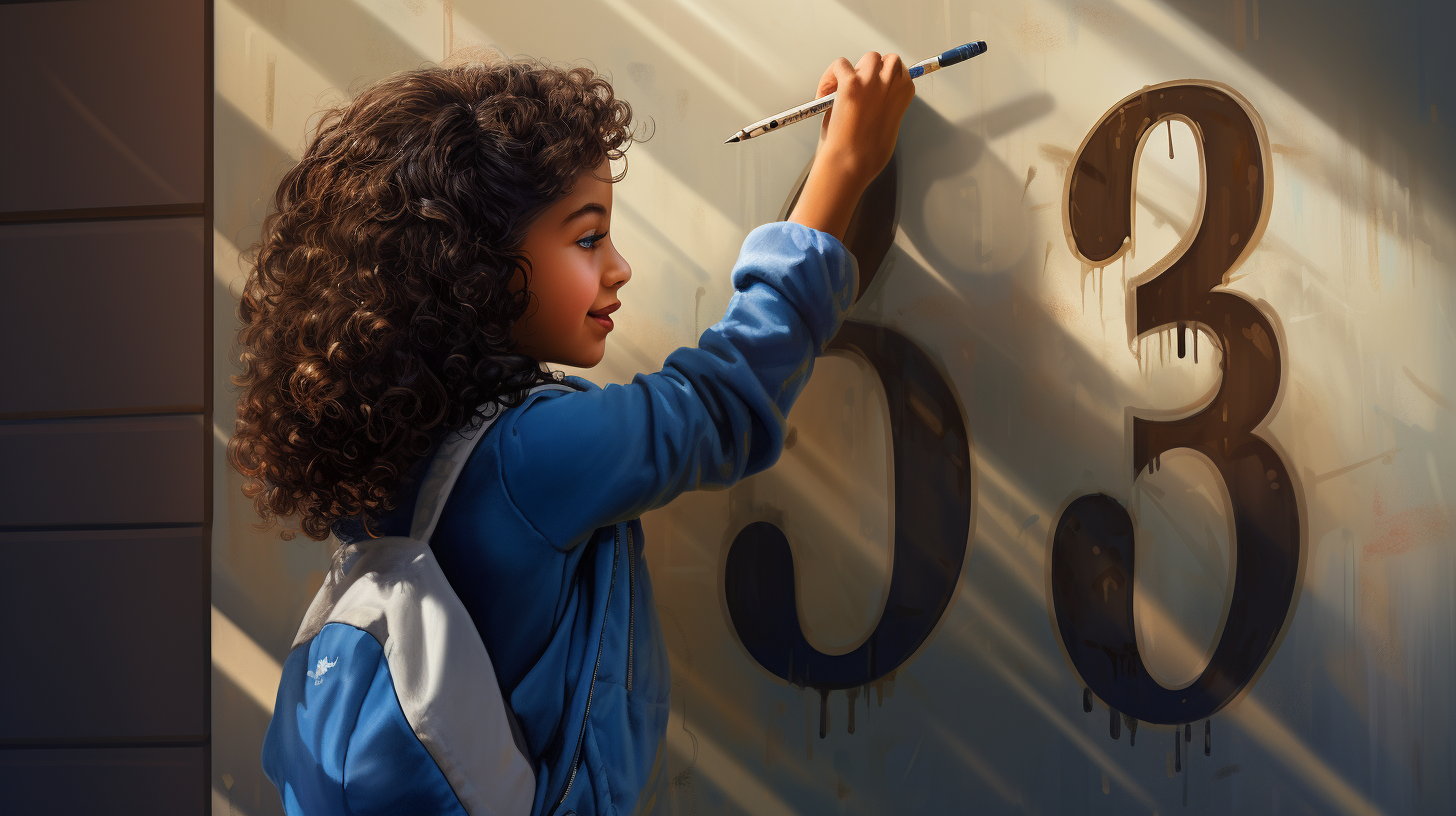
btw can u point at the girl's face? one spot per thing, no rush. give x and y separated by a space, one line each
575 275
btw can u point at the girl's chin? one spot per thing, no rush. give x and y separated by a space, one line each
587 358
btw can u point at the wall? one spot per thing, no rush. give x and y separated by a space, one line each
105 405
1342 278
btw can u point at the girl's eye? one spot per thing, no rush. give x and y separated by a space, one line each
590 241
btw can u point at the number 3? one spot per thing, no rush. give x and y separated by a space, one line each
1092 548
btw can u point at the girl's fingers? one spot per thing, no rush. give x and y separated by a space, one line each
835 75
869 65
830 81
828 84
892 67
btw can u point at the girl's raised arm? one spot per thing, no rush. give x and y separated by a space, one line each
572 462
716 413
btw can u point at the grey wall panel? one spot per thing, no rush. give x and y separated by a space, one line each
103 104
113 781
123 649
101 315
139 470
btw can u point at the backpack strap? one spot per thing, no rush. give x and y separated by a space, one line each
448 463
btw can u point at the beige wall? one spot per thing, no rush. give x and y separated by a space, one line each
1353 270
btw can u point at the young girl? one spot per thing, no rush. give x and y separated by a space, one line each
445 236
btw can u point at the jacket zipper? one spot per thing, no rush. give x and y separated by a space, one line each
631 600
591 689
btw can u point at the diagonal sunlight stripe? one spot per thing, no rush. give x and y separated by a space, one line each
424 33
704 72
699 693
1248 713
847 25
674 207
115 141
239 47
1216 57
1019 685
906 244
243 661
970 759
771 61
1278 740
434 36
222 803
1260 723
735 781
716 235
1011 636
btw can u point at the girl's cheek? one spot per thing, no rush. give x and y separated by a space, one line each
590 285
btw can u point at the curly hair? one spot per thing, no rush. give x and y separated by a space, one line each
378 307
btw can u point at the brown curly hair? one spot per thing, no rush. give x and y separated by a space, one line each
377 311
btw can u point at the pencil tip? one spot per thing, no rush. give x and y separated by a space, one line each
734 139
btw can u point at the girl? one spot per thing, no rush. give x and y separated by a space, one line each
445 236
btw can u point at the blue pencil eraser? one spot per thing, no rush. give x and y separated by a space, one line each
962 53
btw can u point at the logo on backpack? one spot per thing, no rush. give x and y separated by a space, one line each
324 664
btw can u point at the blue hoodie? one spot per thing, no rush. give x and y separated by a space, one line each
541 541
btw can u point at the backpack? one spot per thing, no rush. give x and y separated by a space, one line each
393 589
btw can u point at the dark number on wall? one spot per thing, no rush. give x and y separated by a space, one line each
932 478
1092 556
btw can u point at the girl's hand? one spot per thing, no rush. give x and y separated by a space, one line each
858 134
856 138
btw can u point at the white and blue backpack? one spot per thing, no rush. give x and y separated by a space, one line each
389 702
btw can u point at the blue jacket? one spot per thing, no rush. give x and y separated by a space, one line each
540 540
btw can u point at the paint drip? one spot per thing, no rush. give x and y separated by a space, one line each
1185 789
823 713
1101 313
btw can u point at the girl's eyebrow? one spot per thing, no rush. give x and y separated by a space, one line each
586 209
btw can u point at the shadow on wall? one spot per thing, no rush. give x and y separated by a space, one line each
1366 69
989 304
1379 74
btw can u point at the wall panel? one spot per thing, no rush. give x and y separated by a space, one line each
121 651
103 103
103 316
131 471
113 781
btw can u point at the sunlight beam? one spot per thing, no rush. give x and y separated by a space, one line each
720 767
687 59
241 660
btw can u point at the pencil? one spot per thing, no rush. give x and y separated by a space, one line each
800 113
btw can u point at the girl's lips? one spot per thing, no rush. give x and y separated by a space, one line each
601 315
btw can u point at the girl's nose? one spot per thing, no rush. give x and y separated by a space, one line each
618 272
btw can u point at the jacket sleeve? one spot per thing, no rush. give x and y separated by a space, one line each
572 462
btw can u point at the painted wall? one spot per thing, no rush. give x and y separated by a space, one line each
1335 129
